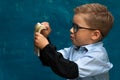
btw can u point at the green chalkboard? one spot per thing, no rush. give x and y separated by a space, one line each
17 21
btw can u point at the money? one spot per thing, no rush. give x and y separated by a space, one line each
38 28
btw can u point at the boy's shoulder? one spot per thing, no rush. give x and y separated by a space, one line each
94 46
96 50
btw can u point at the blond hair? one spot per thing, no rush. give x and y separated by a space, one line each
98 16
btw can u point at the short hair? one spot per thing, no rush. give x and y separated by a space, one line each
98 16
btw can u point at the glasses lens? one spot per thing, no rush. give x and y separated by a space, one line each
75 27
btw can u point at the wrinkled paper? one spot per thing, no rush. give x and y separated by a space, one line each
38 28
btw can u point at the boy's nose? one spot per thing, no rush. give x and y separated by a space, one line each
71 30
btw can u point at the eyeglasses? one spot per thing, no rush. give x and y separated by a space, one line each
77 27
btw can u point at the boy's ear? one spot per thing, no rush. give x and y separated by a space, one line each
96 35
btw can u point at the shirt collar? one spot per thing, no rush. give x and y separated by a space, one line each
89 47
92 46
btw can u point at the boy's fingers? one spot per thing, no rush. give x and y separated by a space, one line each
37 33
46 24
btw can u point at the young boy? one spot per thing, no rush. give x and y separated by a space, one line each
86 59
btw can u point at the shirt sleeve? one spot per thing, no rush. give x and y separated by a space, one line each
61 66
65 52
90 66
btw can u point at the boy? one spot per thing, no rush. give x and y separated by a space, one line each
86 59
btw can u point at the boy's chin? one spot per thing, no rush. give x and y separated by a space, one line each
74 44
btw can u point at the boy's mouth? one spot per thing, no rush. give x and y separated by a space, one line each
71 37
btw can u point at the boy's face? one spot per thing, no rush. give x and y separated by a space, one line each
82 36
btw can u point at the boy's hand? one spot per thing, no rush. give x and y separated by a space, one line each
46 31
40 41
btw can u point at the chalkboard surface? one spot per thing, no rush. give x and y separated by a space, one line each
17 21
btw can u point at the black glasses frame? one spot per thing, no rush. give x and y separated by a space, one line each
77 27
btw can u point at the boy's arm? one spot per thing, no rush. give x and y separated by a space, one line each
63 67
44 61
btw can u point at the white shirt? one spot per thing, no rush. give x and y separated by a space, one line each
92 61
